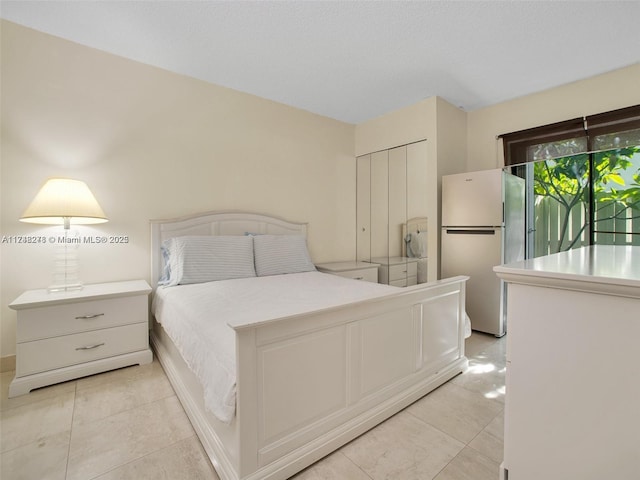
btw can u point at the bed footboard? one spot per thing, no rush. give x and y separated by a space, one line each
308 384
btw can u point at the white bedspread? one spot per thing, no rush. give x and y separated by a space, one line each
198 318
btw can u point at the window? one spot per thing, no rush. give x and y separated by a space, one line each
583 178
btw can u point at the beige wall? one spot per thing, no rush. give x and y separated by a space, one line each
610 91
451 135
153 144
399 127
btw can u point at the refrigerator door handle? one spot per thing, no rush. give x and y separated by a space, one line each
463 231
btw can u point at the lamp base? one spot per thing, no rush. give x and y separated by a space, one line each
65 288
65 275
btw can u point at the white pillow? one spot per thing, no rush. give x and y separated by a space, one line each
198 259
280 254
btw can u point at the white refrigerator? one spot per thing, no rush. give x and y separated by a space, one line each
483 225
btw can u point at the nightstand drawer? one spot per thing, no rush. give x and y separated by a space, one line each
365 271
404 282
366 274
52 353
402 271
51 321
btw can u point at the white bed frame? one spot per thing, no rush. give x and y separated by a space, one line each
308 384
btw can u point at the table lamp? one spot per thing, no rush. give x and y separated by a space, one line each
63 201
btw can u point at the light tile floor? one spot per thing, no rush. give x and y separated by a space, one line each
128 424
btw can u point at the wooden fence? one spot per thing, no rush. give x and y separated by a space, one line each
550 217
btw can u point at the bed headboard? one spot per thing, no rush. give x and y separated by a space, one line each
215 223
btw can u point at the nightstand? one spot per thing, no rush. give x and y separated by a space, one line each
356 270
66 335
398 271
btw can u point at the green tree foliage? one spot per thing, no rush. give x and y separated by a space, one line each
566 181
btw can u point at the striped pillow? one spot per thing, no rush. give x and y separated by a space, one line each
280 254
198 259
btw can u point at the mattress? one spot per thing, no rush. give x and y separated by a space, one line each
199 319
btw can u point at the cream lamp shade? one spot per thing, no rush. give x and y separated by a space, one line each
64 201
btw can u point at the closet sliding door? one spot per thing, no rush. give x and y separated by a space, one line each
391 198
379 205
417 195
363 208
397 199
417 201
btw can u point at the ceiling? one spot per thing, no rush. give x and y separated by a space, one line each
355 60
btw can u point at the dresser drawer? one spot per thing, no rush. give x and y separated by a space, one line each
52 321
402 271
43 355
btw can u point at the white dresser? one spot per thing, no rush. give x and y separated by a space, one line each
397 271
66 335
572 405
357 270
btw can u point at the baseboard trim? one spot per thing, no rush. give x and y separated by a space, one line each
8 363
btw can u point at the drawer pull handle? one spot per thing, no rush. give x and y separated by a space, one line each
89 317
91 347
358 278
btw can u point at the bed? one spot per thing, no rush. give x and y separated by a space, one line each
308 372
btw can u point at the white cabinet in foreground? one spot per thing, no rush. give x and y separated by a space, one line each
572 408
